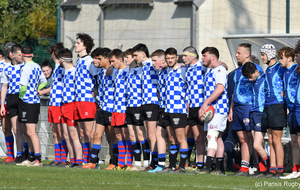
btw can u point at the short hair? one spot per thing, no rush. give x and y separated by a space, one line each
191 49
96 52
65 52
117 53
54 48
128 52
254 59
7 47
46 63
297 47
159 53
142 48
16 48
211 50
171 51
27 50
247 46
87 41
248 69
2 52
288 52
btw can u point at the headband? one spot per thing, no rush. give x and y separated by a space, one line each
66 59
27 55
191 54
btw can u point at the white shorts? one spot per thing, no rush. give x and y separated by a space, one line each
218 123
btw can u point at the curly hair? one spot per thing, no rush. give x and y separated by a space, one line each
87 41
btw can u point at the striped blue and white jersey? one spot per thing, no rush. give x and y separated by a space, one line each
32 76
85 81
11 76
120 103
69 83
194 77
106 90
162 85
57 86
176 91
134 87
150 82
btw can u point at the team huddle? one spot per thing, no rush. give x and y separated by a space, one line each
142 101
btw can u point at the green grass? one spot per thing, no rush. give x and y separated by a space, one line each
22 177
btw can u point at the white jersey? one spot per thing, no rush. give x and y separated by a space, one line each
32 76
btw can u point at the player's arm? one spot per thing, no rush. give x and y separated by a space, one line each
230 116
45 91
3 96
217 93
24 81
43 82
42 85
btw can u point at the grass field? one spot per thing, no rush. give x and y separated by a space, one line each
20 177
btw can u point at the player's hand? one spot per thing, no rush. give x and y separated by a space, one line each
109 70
223 64
230 117
93 93
282 94
2 110
298 69
202 109
40 92
178 66
188 107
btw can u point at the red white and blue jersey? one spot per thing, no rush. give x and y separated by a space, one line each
150 82
194 77
32 76
243 89
162 85
69 83
85 81
258 101
106 90
176 91
57 86
212 77
274 85
290 78
11 76
134 87
120 103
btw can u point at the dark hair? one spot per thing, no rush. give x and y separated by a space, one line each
128 52
16 48
87 41
27 50
117 53
248 69
65 52
191 49
96 52
158 53
254 59
288 52
46 63
246 46
2 52
171 51
297 47
211 50
54 48
142 48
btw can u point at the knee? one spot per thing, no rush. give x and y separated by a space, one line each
212 139
257 146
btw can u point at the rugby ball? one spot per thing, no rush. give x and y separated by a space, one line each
207 115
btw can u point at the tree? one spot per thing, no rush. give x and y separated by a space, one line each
27 19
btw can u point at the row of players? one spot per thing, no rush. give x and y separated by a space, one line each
136 99
198 84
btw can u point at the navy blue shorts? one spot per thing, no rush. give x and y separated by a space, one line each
241 118
296 122
274 117
255 122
